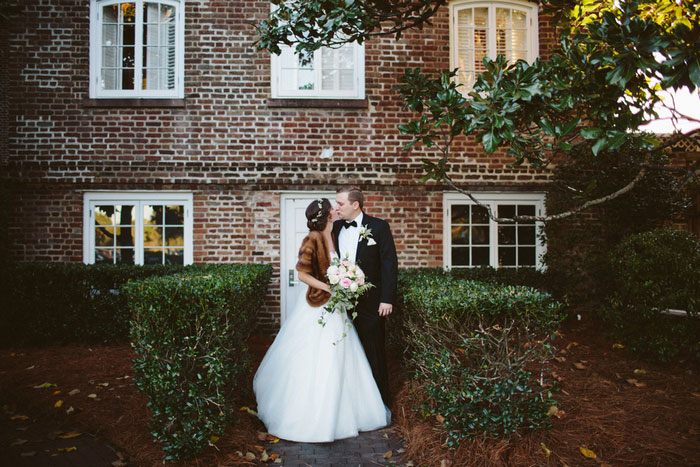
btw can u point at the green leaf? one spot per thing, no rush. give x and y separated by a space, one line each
591 133
694 73
599 145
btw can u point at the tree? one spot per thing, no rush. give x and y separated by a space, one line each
590 96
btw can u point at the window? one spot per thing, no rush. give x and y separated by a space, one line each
486 29
137 228
471 239
331 74
136 49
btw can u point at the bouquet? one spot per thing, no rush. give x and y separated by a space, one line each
347 284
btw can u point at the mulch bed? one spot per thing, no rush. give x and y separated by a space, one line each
649 417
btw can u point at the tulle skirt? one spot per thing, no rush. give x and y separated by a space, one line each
315 385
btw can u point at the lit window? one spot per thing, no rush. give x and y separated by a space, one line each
136 49
138 228
332 73
487 29
471 239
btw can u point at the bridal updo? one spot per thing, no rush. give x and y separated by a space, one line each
318 213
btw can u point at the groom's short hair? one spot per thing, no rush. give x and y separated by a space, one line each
354 194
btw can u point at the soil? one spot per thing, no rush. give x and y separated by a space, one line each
625 411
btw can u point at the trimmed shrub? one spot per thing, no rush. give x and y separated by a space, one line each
649 274
479 351
189 332
57 303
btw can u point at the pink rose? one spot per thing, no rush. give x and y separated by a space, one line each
360 280
345 282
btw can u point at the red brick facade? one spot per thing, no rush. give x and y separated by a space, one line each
235 150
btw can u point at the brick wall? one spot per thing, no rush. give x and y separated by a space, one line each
227 145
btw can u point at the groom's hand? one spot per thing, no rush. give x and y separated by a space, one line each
385 309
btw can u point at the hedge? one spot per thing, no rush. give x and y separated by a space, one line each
189 332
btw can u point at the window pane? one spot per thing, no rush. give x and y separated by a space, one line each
153 256
174 256
153 236
480 235
460 235
526 235
480 256
526 256
125 236
305 79
153 215
104 236
479 215
124 256
174 236
506 210
506 256
526 210
506 235
104 256
460 214
175 215
104 215
460 256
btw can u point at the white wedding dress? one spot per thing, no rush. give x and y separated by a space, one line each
310 390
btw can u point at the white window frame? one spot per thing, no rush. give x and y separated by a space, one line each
317 93
492 199
96 92
530 9
137 198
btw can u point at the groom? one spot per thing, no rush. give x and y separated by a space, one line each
368 241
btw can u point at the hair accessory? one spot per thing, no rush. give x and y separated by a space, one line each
320 212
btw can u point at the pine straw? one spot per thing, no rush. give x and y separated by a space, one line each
657 424
119 415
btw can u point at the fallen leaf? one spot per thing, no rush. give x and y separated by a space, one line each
214 439
252 412
45 385
18 442
640 371
70 410
19 417
388 454
560 414
440 418
560 359
547 452
58 403
264 457
244 408
259 448
636 383
28 454
276 440
103 384
274 457
580 366
92 396
262 436
30 367
74 392
12 354
587 453
278 460
618 346
250 456
56 393
695 394
240 454
68 449
552 411
72 434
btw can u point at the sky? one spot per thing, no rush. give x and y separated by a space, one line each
687 103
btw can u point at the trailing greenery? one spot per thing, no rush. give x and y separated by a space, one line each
57 303
479 351
189 332
652 272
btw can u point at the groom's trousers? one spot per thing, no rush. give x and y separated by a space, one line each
372 335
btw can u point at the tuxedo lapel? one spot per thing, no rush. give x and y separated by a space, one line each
362 242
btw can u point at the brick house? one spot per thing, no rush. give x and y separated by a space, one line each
152 131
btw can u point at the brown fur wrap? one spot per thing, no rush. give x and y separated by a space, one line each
314 259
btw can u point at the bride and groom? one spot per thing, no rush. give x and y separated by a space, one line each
310 386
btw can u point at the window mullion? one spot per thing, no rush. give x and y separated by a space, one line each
318 62
138 45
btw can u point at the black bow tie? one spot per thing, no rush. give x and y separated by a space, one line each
347 224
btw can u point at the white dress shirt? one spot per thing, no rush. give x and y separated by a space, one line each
348 239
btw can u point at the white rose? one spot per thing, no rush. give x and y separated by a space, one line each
333 278
353 287
332 270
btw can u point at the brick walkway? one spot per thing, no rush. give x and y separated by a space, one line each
368 449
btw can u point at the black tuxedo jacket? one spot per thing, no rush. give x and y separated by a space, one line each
378 262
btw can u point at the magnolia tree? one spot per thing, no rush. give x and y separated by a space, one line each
604 80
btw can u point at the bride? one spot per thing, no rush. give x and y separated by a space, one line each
307 388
